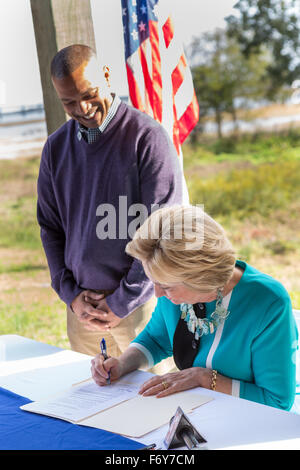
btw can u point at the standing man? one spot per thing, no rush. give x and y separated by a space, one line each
99 169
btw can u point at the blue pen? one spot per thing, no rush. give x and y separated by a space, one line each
104 354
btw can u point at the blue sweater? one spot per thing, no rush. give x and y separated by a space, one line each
258 342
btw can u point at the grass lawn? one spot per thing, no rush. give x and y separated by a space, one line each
29 306
250 185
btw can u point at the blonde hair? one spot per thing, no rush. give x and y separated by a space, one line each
184 245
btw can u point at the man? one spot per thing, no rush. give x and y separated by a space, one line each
99 169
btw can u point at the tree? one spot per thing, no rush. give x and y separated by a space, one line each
224 79
58 24
271 24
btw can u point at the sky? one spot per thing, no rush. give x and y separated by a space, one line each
19 72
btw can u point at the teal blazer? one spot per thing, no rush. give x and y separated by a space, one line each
256 346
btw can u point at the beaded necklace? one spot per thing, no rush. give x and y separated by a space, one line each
204 326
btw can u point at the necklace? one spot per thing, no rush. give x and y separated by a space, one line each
204 326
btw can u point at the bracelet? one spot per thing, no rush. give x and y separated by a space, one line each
214 380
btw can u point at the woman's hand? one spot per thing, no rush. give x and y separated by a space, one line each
130 360
101 367
167 384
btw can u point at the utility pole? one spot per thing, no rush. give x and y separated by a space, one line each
57 24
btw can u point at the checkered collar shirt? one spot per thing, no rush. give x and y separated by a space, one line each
91 135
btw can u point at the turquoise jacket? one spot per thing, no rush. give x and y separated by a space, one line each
257 346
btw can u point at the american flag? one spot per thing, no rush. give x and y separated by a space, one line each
159 79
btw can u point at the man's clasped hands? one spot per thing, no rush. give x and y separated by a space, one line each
91 309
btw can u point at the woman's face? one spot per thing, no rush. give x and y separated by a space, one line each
179 293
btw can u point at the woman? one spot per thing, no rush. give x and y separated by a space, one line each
229 327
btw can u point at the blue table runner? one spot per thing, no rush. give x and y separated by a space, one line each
21 430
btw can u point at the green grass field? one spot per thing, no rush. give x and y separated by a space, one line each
251 185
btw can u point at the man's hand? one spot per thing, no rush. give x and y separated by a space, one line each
83 309
92 310
104 319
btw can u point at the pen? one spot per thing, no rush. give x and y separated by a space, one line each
149 447
104 354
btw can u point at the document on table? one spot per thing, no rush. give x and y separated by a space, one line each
140 415
117 407
84 400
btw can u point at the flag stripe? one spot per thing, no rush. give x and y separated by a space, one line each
168 31
134 93
147 77
137 90
185 94
178 74
176 131
156 72
186 123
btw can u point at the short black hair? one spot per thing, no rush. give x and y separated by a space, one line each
68 59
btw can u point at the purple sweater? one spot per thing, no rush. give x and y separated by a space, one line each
133 162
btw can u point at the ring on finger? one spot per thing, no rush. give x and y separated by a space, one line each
165 385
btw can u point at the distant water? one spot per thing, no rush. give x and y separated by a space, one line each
255 125
22 133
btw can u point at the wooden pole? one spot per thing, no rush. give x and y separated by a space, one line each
57 24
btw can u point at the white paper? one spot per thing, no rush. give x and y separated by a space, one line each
140 415
83 401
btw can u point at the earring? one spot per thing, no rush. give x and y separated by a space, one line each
220 311
106 74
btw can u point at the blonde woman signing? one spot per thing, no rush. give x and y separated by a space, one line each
228 326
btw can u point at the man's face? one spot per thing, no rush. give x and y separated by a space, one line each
84 94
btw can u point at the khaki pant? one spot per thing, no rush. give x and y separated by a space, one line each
118 338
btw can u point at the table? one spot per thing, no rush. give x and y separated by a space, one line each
31 371
34 370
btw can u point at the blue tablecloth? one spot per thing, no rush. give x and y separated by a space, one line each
21 430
